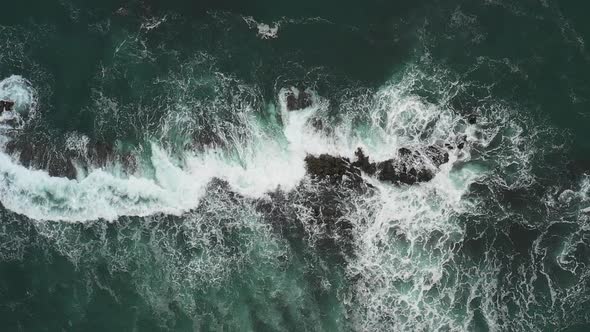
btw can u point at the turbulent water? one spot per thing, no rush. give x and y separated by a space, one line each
203 217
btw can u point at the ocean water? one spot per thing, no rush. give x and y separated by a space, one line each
191 209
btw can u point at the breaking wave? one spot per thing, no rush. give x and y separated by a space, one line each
408 270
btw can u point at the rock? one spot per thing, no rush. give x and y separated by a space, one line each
437 155
35 154
404 152
324 206
396 171
6 105
102 153
472 119
409 167
298 100
330 167
24 150
336 170
317 124
362 162
412 166
62 167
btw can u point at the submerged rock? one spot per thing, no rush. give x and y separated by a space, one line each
323 217
102 153
578 167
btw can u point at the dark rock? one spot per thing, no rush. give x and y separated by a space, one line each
129 162
102 153
437 155
404 152
409 167
62 163
396 171
327 166
472 119
25 151
298 101
37 155
337 170
62 167
317 124
6 105
461 145
292 102
362 162
325 206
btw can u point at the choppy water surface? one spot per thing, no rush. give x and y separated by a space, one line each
188 206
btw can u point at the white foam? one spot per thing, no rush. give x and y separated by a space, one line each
262 163
265 31
405 236
19 90
99 195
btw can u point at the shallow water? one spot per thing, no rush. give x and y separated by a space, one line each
204 219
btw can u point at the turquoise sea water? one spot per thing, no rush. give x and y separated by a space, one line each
202 217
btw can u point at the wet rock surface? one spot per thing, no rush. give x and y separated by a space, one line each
312 213
6 105
66 163
298 99
408 167
330 167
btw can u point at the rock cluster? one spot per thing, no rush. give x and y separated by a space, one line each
408 167
39 155
298 99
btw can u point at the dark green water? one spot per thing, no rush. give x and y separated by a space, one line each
216 227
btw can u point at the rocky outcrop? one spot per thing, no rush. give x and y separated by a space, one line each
298 99
319 209
6 105
335 170
330 167
408 167
66 163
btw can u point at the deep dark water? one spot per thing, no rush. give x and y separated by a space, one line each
202 218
